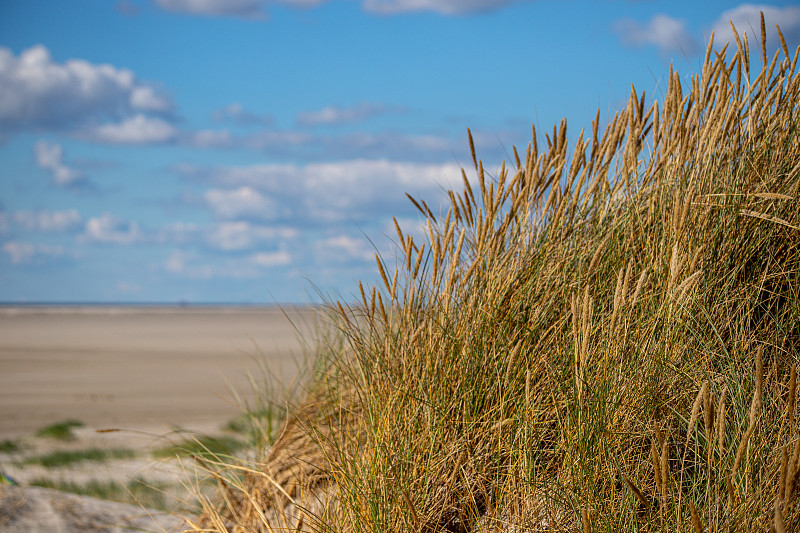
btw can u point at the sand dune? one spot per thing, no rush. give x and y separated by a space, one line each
139 367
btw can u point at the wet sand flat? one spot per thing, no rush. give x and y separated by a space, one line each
140 367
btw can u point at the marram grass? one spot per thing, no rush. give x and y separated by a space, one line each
602 337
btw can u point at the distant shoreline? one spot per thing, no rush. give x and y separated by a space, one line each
14 309
189 305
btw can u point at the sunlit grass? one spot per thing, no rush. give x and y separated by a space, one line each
602 337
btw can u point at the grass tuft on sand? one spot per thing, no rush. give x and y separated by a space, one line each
601 336
136 491
60 430
59 458
10 446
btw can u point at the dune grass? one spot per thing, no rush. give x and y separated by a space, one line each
596 338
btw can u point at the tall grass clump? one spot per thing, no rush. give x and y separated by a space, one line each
600 337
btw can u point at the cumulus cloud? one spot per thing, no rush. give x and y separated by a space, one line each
242 202
108 229
310 146
361 144
444 7
242 235
254 9
747 19
127 287
25 252
666 33
178 233
363 188
50 157
147 98
249 9
188 264
176 262
245 9
271 259
41 94
280 141
209 139
138 129
344 248
335 115
320 192
48 221
238 114
127 8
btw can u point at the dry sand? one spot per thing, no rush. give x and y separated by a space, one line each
140 368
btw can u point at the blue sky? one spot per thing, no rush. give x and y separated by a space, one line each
255 151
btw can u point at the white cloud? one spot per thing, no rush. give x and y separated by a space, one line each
254 9
127 287
246 9
191 265
381 145
48 220
306 145
228 8
303 3
747 19
178 233
147 99
280 141
109 230
340 115
271 259
209 139
241 235
51 158
237 113
342 248
388 145
241 202
377 177
176 262
39 93
25 252
667 33
322 192
127 8
444 7
138 129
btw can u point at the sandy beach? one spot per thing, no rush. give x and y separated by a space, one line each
140 368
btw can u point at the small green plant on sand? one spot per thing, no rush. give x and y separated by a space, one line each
60 458
10 446
60 430
136 491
